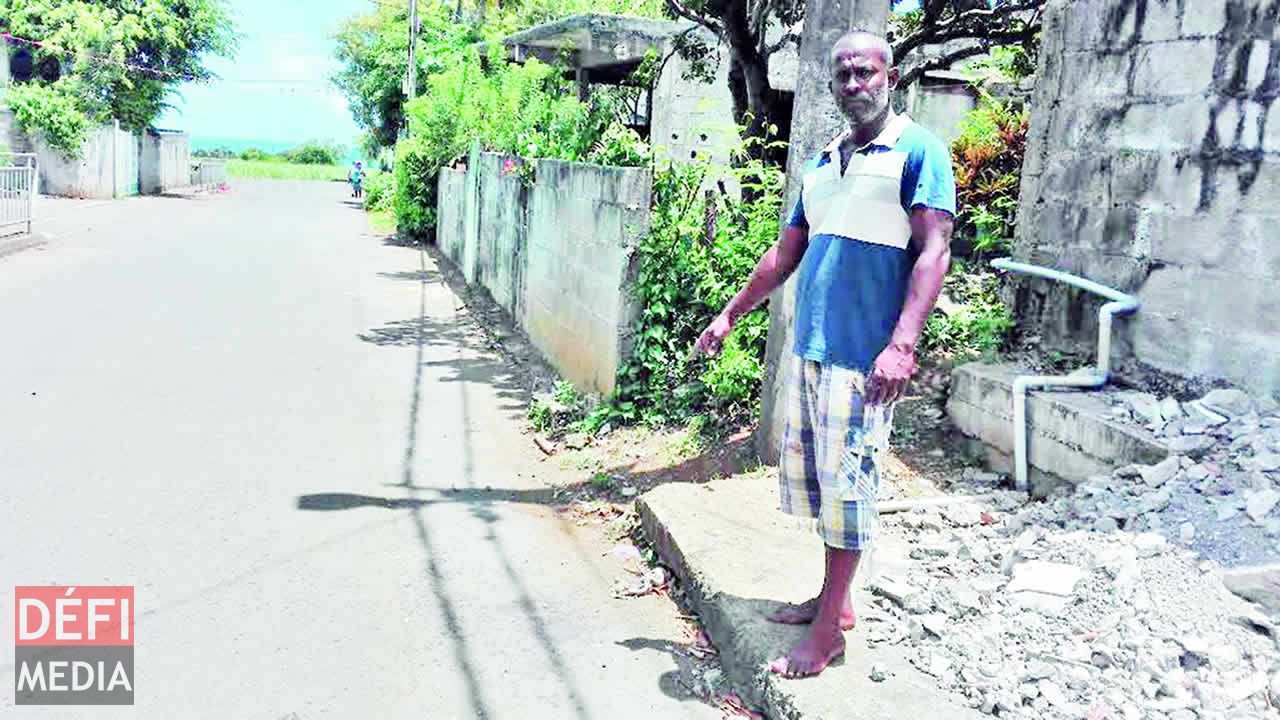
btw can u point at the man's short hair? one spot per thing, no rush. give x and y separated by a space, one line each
869 37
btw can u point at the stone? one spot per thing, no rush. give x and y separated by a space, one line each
1106 525
1102 657
1049 578
962 514
934 624
1197 472
1247 687
628 491
1199 414
877 673
1259 503
1170 409
1147 407
1194 445
1228 401
1051 692
1226 511
1267 461
1187 532
893 589
1274 688
1037 670
1160 473
1149 544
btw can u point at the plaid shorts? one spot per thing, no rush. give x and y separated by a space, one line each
832 452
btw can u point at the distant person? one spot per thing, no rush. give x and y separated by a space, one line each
356 176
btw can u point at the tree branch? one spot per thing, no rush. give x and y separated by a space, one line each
790 36
971 23
684 12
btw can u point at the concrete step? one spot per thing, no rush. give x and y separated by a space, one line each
1071 433
738 556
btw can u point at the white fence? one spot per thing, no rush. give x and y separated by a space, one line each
208 173
18 179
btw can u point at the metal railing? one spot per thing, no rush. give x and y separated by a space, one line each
17 193
208 173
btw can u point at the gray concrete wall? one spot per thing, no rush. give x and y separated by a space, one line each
107 166
449 213
502 232
165 162
942 108
557 255
814 121
692 118
584 224
1154 166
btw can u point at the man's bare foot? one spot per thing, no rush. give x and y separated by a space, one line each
818 650
805 612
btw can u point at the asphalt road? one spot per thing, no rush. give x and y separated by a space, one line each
274 426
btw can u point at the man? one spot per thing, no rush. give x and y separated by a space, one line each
355 176
871 236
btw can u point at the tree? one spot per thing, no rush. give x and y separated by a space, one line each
118 59
755 30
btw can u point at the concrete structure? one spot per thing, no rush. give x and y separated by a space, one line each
682 118
165 163
1153 165
1071 435
737 557
940 101
107 167
557 255
814 122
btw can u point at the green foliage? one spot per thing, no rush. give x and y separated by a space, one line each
120 58
51 113
975 323
276 169
527 110
988 162
315 153
1004 63
379 191
254 154
686 276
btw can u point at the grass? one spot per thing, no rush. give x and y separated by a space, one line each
385 222
280 170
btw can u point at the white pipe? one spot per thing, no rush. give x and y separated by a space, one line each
1121 303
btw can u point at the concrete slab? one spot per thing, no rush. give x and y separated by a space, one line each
738 557
1071 434
10 244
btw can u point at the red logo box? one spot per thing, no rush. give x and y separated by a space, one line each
80 615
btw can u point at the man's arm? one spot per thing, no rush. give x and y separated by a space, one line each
777 264
931 237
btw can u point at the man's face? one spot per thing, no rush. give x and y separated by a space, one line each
860 81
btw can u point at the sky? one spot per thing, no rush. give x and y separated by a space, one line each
277 87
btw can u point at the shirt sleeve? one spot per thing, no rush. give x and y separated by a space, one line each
798 220
929 180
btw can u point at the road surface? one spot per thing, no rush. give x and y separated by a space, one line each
275 426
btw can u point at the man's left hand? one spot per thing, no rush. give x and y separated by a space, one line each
890 375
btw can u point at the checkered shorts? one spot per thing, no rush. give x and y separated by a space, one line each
832 452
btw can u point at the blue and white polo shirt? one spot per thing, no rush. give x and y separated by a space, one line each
854 275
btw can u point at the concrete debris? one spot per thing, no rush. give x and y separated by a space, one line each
877 673
963 514
1079 606
1228 401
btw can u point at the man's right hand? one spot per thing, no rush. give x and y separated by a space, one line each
713 337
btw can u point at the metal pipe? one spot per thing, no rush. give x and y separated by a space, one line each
1121 304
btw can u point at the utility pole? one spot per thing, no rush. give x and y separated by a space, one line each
412 50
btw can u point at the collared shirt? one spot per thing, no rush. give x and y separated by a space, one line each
854 275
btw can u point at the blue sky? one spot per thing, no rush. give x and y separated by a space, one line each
277 87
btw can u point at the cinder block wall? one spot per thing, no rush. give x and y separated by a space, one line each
1153 165
558 255
165 162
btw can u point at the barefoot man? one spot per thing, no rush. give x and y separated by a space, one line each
871 237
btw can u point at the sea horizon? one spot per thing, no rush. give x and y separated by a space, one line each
239 145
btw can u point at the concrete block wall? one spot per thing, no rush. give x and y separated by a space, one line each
584 223
1153 165
107 167
165 163
557 255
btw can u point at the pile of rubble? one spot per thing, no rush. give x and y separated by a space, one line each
1107 602
1037 622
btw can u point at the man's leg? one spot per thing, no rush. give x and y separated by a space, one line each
805 612
825 640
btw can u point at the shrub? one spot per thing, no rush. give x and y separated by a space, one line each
988 161
52 113
315 153
975 323
255 154
379 190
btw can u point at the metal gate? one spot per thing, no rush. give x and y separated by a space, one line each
17 193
